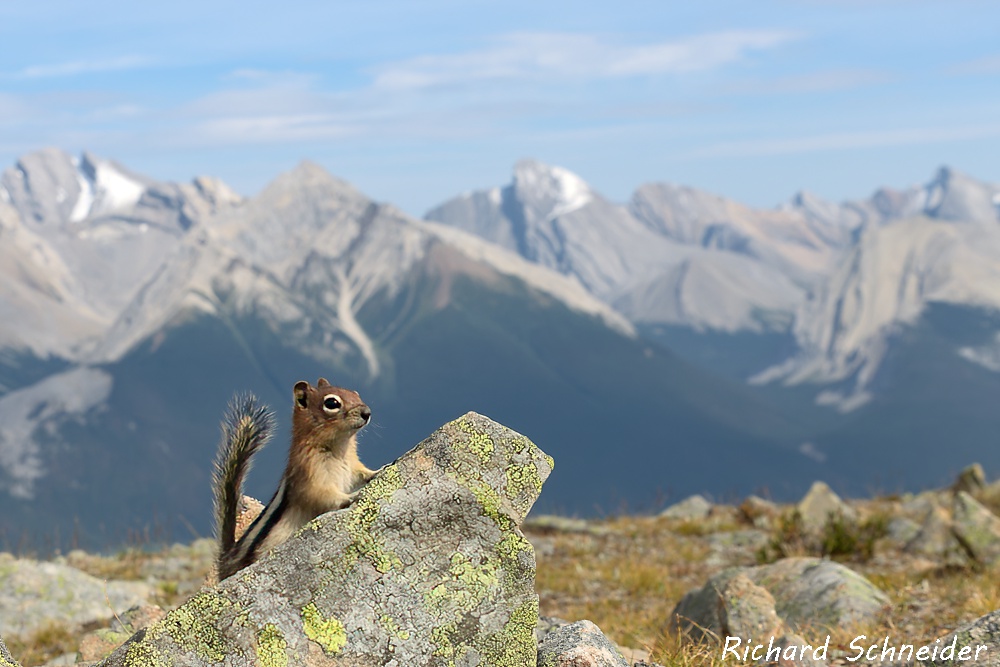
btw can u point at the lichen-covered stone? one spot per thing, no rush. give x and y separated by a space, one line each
427 567
977 529
36 593
580 644
98 644
806 592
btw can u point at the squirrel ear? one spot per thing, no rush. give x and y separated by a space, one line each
301 394
323 383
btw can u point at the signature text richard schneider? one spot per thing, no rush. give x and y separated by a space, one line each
860 649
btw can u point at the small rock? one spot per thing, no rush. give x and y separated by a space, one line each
691 508
977 529
819 505
970 480
901 530
760 512
580 644
936 539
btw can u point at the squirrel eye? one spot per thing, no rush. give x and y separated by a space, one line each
331 403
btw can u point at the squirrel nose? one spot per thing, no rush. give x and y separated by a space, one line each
366 413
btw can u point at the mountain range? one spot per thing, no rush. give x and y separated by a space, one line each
679 343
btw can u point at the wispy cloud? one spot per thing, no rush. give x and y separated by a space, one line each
272 129
847 140
77 67
541 56
814 82
986 65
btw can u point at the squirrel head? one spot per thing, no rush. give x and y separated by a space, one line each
325 412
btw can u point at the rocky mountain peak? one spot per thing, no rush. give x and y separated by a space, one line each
548 192
43 186
953 195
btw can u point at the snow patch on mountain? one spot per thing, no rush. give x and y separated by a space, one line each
85 200
549 192
350 326
28 415
105 188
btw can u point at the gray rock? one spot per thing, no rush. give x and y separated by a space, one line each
922 504
984 631
901 530
819 505
747 610
811 591
936 538
6 660
977 529
691 508
426 567
35 593
970 480
806 592
580 644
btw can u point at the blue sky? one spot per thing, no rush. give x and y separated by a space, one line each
414 102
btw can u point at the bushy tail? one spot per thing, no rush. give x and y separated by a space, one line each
246 428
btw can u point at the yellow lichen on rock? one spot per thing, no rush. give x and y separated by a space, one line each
329 633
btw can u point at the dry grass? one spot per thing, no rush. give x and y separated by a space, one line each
50 641
628 576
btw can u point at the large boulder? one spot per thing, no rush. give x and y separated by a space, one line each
37 593
426 567
801 592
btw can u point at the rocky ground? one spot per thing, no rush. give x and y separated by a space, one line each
664 588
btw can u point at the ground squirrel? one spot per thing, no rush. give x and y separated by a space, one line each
323 471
